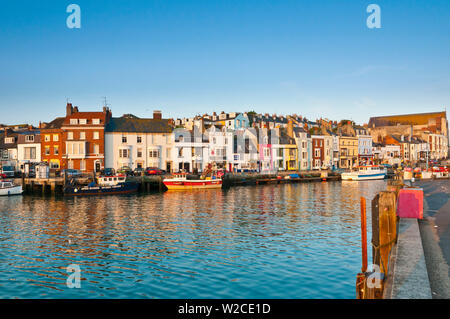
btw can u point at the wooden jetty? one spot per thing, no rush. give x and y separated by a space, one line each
55 185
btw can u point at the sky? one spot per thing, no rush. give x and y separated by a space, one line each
314 58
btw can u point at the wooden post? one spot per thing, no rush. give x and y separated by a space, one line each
363 235
388 227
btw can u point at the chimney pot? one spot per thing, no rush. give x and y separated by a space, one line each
157 115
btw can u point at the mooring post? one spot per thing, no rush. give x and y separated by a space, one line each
363 235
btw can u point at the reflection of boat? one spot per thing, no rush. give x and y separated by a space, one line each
7 188
182 182
364 173
107 185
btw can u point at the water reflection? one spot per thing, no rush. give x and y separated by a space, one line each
275 241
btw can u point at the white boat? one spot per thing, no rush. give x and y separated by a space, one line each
364 173
8 188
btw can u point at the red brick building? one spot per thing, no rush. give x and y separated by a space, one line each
52 144
84 137
318 149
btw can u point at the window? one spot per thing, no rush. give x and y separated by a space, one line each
70 135
47 138
317 152
56 150
123 153
83 165
214 140
96 149
74 121
29 138
82 135
96 121
266 152
96 135
9 140
55 137
30 153
54 165
153 153
180 152
83 121
226 141
139 152
47 150
70 164
124 139
139 139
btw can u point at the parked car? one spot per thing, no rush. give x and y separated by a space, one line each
8 171
139 171
126 170
2 176
153 171
70 172
109 172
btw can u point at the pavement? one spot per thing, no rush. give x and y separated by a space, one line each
435 234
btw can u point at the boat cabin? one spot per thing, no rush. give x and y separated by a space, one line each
6 184
111 180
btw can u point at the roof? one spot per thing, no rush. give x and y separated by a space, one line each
55 124
405 119
138 125
2 140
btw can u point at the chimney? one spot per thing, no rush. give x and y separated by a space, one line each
157 115
69 109
290 128
75 109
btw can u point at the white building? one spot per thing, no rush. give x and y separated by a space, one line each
139 143
191 150
220 147
28 149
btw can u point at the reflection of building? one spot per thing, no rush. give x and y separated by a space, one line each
139 143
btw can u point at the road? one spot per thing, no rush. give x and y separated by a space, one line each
435 233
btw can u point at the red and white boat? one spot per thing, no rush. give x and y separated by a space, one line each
181 182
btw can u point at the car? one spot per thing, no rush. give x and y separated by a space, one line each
71 172
2 176
153 171
125 170
139 171
8 171
108 172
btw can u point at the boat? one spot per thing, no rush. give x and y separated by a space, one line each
364 173
106 185
7 188
182 181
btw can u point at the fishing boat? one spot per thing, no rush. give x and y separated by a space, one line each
181 181
7 188
106 185
364 173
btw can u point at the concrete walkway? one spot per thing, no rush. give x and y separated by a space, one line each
435 233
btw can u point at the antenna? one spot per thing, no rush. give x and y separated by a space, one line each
105 101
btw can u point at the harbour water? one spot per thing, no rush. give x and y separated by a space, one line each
274 241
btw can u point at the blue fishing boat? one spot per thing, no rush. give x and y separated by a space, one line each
106 185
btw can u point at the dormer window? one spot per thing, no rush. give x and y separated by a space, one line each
9 140
74 121
96 121
29 138
83 121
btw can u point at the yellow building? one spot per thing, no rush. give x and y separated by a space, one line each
348 151
290 157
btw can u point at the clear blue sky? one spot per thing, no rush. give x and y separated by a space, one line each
315 58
